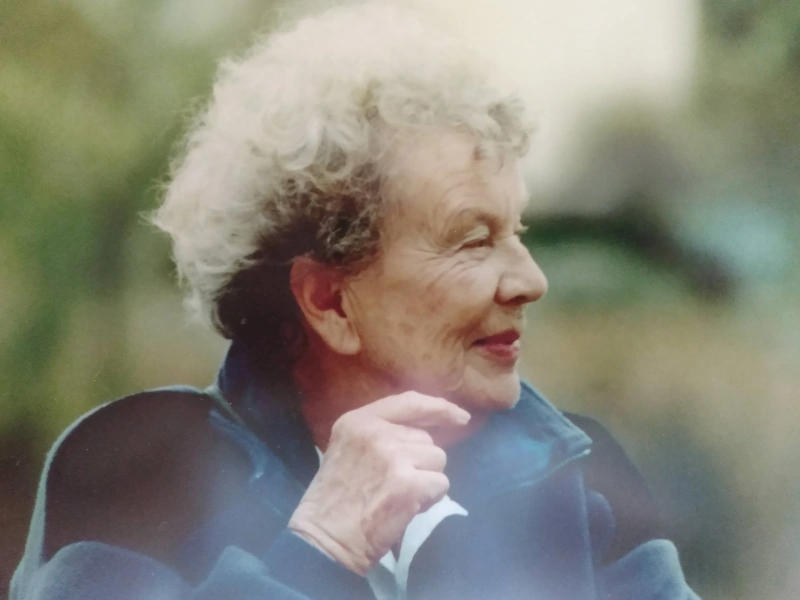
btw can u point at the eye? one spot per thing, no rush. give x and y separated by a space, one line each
484 241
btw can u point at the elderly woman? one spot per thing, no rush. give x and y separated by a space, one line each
347 212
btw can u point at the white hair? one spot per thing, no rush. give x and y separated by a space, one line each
286 157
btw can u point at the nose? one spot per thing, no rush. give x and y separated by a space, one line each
522 280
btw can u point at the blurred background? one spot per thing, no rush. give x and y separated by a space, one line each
665 183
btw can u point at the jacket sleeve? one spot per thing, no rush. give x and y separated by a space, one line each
638 563
609 472
291 570
651 571
122 494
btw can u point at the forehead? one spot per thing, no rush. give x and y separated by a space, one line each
434 175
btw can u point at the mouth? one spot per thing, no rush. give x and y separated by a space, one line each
509 336
503 346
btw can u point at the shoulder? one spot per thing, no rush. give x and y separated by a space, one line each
136 473
609 471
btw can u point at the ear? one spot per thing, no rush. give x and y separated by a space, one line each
317 289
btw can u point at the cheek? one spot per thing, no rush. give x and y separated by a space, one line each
467 287
419 327
456 297
449 309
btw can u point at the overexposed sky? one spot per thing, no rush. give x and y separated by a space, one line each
573 58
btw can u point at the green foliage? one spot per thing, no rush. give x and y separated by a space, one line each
82 143
751 67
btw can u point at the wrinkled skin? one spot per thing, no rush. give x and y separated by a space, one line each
452 273
355 513
453 270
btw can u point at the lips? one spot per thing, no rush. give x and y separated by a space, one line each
505 338
501 348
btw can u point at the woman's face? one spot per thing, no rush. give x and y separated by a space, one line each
441 310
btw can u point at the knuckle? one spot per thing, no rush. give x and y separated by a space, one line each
442 485
414 435
385 450
440 456
417 399
342 425
373 435
353 425
425 437
402 476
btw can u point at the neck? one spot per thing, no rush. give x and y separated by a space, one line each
328 389
331 386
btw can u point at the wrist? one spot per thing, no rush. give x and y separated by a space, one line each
353 561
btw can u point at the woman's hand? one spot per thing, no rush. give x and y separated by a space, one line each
381 468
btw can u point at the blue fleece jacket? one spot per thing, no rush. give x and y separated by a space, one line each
179 494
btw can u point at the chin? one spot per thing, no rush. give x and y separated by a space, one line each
493 394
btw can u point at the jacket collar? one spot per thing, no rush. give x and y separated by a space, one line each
272 415
515 448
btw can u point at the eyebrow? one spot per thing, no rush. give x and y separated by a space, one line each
480 215
455 223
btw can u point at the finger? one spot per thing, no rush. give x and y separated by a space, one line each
419 410
432 487
425 457
409 435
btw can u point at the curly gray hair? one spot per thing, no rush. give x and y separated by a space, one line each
287 158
